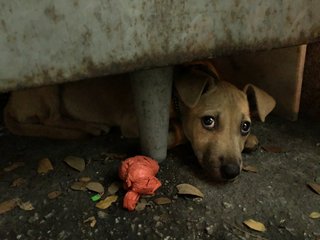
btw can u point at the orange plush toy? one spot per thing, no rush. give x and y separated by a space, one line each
138 174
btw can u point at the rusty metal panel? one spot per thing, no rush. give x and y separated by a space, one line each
44 42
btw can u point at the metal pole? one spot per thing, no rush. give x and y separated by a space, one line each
152 94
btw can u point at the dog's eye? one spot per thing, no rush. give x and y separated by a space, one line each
245 128
208 122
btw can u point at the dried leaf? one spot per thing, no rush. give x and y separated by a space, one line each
141 205
85 179
27 206
187 189
76 163
162 200
79 186
18 182
54 194
113 156
148 195
13 166
257 226
95 187
250 168
314 186
92 221
114 188
44 166
272 149
314 215
106 203
8 205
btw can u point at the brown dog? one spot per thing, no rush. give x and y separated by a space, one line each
214 114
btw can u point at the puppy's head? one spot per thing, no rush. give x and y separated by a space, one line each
216 119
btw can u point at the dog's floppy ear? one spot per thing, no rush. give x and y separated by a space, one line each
260 102
191 85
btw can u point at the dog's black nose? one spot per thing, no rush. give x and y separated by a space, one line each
230 171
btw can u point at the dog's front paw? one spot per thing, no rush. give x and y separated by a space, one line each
251 144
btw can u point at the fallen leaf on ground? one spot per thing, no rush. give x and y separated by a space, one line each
141 205
85 179
148 195
314 215
13 166
8 205
272 149
54 194
79 186
314 186
114 156
92 221
44 166
188 189
95 187
76 163
257 226
250 168
106 203
114 188
27 206
18 182
162 200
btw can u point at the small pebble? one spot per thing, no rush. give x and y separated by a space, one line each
210 230
49 215
227 205
156 218
34 218
102 214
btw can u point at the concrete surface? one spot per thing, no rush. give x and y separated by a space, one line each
277 195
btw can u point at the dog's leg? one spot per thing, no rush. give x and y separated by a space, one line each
65 123
53 127
176 135
251 143
40 130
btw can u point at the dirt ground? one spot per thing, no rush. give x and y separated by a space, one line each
277 195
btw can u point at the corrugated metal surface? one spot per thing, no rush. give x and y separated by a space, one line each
46 41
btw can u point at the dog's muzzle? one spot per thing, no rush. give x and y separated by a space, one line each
229 171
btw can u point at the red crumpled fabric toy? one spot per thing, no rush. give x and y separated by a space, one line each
138 174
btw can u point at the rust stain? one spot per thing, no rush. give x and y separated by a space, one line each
3 25
86 37
52 14
11 39
97 15
75 3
